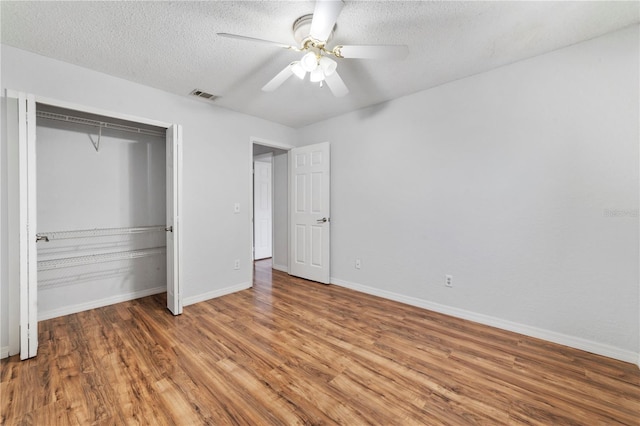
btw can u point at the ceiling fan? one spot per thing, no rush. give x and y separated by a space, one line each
312 33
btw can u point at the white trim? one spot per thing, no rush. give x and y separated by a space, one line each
215 293
74 309
282 268
527 330
4 350
269 143
99 111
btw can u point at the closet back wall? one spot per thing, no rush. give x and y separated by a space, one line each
122 185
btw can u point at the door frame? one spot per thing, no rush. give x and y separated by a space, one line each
13 264
254 140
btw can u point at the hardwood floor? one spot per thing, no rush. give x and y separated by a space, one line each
290 351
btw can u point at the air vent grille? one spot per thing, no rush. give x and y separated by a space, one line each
203 95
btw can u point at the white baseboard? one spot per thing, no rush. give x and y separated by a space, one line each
67 310
4 352
551 336
215 293
283 268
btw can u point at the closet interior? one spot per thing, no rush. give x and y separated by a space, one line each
101 210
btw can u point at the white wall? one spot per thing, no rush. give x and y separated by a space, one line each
121 185
507 181
521 182
215 153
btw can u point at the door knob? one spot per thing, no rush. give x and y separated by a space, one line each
323 220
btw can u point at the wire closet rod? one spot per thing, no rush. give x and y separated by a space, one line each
96 123
97 232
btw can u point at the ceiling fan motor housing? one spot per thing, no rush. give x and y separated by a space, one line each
301 30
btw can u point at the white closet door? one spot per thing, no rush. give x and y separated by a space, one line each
27 241
174 181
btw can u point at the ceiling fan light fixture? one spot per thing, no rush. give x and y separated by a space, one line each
316 75
298 70
313 32
309 62
328 65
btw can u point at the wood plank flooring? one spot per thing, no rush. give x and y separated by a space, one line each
290 352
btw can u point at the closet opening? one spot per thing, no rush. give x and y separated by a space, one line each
94 217
101 210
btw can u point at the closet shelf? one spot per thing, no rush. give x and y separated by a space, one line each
67 262
104 232
99 124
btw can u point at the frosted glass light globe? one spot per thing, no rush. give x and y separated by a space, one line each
297 69
328 65
316 75
309 62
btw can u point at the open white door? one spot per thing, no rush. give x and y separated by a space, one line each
262 208
174 181
27 240
309 194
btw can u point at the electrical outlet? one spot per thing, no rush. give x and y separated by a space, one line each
236 264
448 280
358 264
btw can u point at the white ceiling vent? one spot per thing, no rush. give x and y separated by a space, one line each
203 95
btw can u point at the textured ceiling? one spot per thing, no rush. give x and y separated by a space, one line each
173 45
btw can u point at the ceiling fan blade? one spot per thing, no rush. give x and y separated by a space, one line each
256 40
280 78
336 85
325 15
372 52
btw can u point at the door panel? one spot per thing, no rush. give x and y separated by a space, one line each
316 192
300 195
174 180
299 246
262 210
316 245
310 212
27 241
